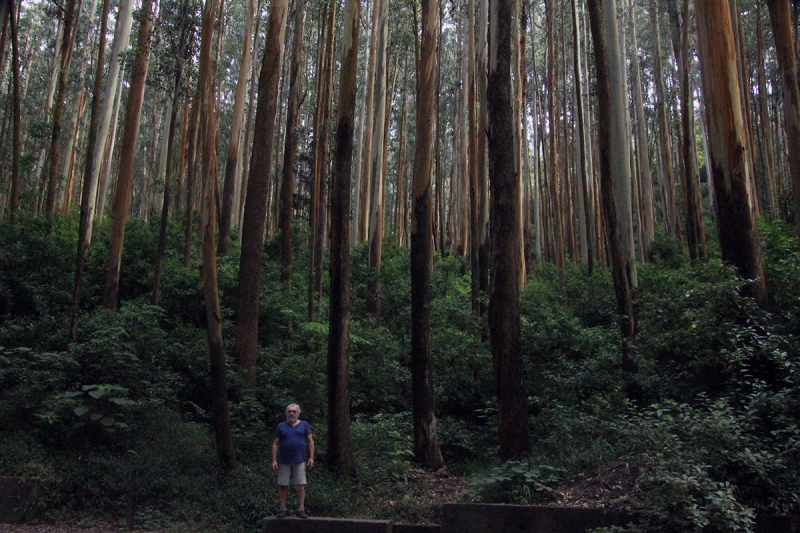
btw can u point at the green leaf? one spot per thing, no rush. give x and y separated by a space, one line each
108 422
80 411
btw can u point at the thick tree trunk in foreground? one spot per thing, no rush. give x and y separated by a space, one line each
426 444
130 136
787 61
738 235
504 308
340 445
255 209
614 165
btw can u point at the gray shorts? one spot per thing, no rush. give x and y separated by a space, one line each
297 471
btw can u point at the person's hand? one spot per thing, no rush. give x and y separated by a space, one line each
275 465
311 463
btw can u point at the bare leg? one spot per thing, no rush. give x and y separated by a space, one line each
300 493
283 491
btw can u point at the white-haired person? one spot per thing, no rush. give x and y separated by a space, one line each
289 458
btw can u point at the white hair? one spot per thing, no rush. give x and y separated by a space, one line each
293 405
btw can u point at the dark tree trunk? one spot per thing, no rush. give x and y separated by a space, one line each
340 446
504 308
255 209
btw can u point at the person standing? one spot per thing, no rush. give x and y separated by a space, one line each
289 458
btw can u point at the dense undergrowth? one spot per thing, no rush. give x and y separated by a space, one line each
119 421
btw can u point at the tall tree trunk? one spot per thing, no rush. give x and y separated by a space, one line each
585 206
340 445
738 235
787 62
232 158
377 175
474 173
482 167
255 209
130 136
426 444
121 38
89 179
647 218
72 14
614 168
366 177
672 220
15 148
695 230
553 170
766 146
504 308
324 89
290 151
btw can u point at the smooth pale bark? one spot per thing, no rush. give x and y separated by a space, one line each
231 161
400 218
255 209
340 445
89 177
121 38
780 17
130 136
474 179
584 202
557 236
738 234
671 219
482 161
321 127
647 216
504 307
693 210
426 443
290 149
365 197
377 174
766 148
614 163
71 18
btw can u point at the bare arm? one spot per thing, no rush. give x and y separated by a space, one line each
275 445
310 440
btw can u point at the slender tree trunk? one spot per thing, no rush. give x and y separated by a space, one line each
71 18
366 182
474 172
787 62
504 308
482 164
766 146
290 151
232 159
89 177
340 446
665 142
255 209
738 234
614 168
553 176
130 135
15 148
585 206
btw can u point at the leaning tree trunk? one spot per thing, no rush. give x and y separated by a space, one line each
614 167
787 62
130 135
426 443
738 235
232 160
504 307
340 444
290 150
89 179
255 209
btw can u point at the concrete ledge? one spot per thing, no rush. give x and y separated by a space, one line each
17 499
324 525
777 524
486 518
412 528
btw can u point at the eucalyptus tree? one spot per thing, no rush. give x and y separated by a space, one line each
781 19
340 444
615 170
504 306
738 234
255 209
130 136
16 111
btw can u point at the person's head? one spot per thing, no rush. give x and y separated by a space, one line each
292 412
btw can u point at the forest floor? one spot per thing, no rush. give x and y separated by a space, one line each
606 487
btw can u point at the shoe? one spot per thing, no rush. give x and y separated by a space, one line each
281 514
302 513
